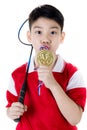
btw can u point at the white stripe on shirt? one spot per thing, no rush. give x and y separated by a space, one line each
11 87
76 81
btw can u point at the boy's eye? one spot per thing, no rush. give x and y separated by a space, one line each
38 32
53 32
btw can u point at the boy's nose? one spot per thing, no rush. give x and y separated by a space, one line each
46 41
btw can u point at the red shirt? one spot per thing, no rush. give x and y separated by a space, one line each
43 112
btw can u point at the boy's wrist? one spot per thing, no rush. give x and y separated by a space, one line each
51 85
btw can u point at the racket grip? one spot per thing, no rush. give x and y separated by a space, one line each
17 119
21 97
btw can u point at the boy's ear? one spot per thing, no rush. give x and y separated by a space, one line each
62 37
28 36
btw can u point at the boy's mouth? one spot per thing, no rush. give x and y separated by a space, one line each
44 48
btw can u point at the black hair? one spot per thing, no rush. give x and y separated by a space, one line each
46 11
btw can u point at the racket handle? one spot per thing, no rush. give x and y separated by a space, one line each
17 119
21 97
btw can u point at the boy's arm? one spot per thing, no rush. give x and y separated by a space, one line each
69 109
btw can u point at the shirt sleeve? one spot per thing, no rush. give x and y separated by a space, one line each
11 93
15 83
76 89
10 98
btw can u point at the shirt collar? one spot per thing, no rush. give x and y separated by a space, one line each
59 66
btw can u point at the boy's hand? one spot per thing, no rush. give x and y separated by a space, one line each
46 76
16 110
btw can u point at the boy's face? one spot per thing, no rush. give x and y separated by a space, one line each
45 32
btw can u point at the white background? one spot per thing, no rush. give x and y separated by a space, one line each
13 54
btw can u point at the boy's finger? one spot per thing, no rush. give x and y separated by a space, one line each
25 108
18 104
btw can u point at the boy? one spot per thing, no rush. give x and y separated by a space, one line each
61 101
